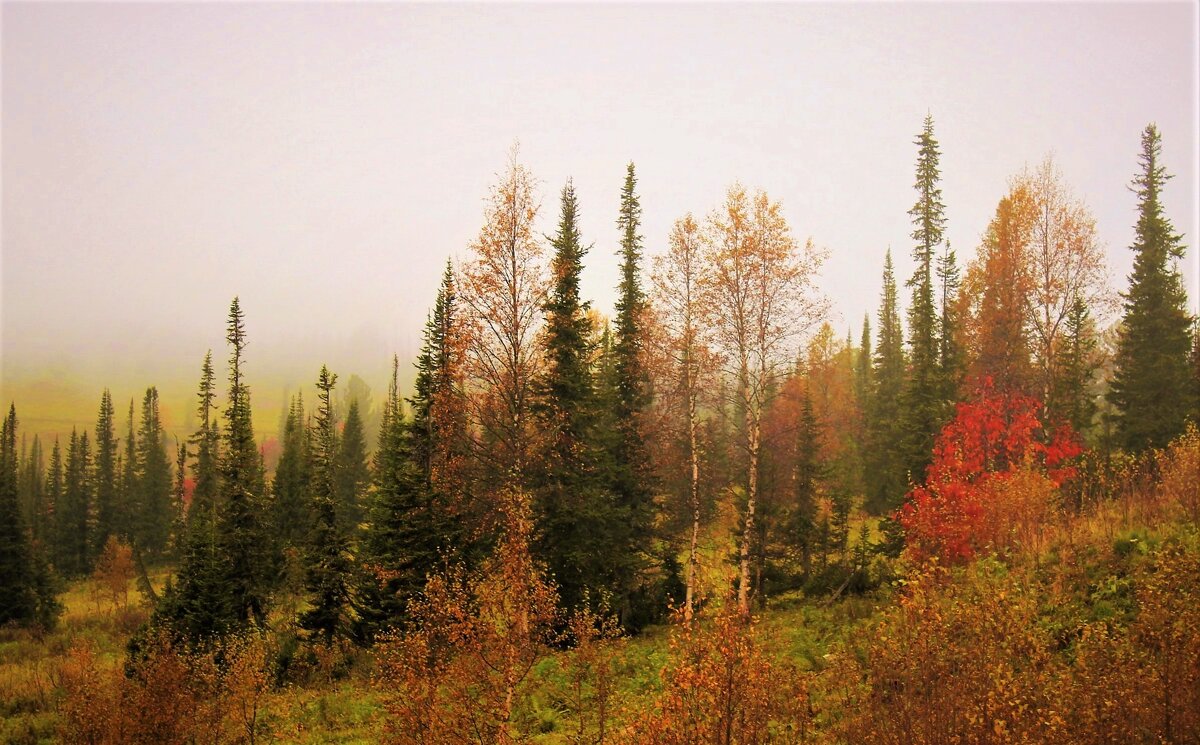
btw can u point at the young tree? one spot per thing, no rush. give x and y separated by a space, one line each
759 286
1071 397
34 505
293 476
886 480
631 472
1151 388
72 512
105 474
806 477
678 296
951 362
240 516
351 472
329 563
503 292
18 596
582 531
925 407
207 442
152 523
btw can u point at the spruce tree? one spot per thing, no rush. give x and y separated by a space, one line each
886 482
130 502
1070 398
33 498
924 407
631 475
54 504
73 513
574 529
328 562
951 362
241 522
351 471
106 474
18 597
403 533
291 505
207 443
152 523
808 472
1151 387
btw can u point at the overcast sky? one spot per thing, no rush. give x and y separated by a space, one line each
323 161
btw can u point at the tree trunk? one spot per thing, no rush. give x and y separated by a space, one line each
752 446
689 605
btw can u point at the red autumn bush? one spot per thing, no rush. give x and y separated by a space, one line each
994 474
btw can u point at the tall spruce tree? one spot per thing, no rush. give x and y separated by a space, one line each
72 516
574 526
291 506
106 474
54 504
632 477
129 503
403 537
207 442
351 471
951 362
1151 386
328 562
886 482
241 522
18 595
152 523
924 407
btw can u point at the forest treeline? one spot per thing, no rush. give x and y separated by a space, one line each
551 478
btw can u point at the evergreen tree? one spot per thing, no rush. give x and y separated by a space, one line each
1151 386
328 560
54 504
924 409
130 502
18 596
886 482
105 474
403 534
806 479
152 523
179 497
863 379
72 516
33 493
351 472
1071 399
293 475
574 528
241 499
207 442
951 362
632 478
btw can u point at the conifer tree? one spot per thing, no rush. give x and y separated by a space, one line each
951 361
886 482
631 475
34 506
152 524
863 380
240 530
1071 400
106 474
291 505
923 397
54 504
569 507
72 515
208 444
1151 386
808 472
18 597
130 503
351 472
404 531
328 559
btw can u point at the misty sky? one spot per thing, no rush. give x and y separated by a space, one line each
323 161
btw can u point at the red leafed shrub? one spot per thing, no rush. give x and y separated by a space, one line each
992 480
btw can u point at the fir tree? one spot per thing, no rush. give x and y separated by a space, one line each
106 474
807 474
130 502
1151 387
240 530
152 523
631 475
328 560
403 534
572 526
54 504
293 475
1071 399
924 409
18 597
951 361
208 444
33 492
73 513
351 472
886 481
